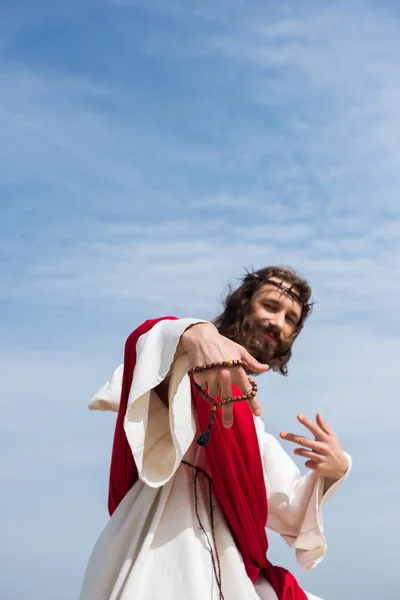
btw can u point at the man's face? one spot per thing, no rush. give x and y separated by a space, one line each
277 313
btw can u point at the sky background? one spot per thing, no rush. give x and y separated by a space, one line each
150 151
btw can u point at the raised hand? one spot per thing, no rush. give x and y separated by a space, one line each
204 345
324 452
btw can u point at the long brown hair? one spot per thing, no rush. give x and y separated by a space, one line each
237 324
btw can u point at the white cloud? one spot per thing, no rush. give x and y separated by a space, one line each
169 260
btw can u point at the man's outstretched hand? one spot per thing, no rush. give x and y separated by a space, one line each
204 345
324 453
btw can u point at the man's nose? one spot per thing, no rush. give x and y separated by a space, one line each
278 321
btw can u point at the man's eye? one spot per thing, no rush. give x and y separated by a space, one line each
269 306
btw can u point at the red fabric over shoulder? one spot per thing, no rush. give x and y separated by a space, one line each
123 472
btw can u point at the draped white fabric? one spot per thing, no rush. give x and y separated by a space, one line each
153 547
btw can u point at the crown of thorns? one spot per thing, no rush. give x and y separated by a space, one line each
284 288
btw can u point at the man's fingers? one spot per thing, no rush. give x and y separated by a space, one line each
219 382
242 381
323 424
308 454
311 464
227 415
255 406
253 365
226 392
319 447
213 388
311 426
240 378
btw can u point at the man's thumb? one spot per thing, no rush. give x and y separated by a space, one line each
253 364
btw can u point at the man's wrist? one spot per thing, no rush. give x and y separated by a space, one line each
195 332
330 481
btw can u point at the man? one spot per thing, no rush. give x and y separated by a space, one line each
195 479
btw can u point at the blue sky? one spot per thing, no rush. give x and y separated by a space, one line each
150 152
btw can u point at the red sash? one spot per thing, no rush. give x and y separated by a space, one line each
235 467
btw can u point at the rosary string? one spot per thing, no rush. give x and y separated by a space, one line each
214 556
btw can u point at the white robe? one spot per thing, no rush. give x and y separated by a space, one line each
152 547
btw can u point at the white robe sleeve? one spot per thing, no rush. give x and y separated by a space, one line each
295 501
158 437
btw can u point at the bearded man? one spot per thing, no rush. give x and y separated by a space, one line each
195 479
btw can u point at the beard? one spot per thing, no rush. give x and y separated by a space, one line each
252 335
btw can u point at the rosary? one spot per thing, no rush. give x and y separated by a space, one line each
204 438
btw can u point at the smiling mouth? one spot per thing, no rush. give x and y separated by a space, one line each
271 336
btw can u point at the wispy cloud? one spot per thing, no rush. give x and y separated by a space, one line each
330 161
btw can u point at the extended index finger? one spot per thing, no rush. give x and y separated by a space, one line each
323 424
311 426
